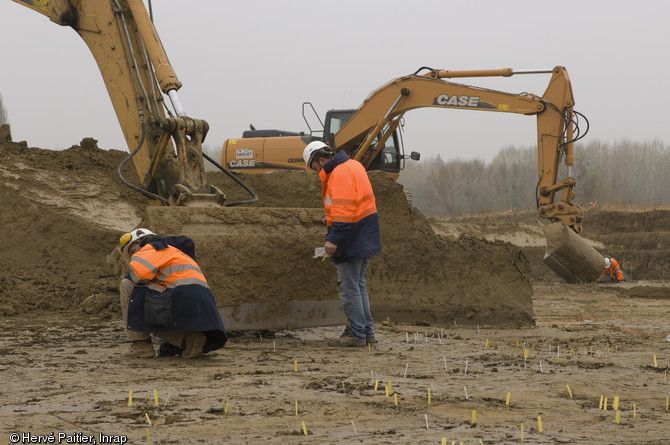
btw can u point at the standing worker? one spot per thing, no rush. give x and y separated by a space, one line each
166 293
353 234
612 271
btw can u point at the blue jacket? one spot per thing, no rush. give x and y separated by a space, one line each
351 213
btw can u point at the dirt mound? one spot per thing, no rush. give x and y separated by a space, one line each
64 211
655 292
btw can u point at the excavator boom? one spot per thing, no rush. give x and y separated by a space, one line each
136 72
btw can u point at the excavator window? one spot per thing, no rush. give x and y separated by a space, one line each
388 159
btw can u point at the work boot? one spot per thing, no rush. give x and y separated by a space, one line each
140 349
193 343
347 341
168 350
369 339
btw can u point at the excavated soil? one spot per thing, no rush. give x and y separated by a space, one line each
64 212
454 315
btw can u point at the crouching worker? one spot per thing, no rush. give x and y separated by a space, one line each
165 293
612 271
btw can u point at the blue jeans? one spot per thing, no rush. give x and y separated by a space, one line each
354 296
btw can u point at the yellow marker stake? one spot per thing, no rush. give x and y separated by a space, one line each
601 402
539 423
667 401
148 419
369 347
617 417
517 343
429 396
376 383
225 410
487 344
387 391
130 398
509 394
615 403
605 404
296 407
525 353
304 428
395 398
522 432
295 365
148 438
156 397
569 392
634 411
474 417
655 363
444 441
480 442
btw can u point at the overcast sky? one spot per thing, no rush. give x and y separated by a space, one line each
257 61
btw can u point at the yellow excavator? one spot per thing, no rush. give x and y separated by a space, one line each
278 285
369 134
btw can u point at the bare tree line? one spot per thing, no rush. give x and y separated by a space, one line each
625 172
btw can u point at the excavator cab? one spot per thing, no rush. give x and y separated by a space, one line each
262 151
391 157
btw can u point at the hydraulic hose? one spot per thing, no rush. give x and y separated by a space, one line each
119 170
231 176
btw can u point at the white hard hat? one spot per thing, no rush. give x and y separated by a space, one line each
311 148
607 262
131 237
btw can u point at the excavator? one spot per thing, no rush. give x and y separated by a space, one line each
258 259
369 134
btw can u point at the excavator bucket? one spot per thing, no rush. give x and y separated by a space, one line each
570 256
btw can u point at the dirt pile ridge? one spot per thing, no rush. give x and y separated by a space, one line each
639 240
64 211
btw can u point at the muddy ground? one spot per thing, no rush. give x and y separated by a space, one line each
62 369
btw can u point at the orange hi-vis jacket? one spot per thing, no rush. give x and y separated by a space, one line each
614 270
351 211
347 193
165 268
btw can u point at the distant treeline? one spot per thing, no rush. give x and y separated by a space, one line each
628 173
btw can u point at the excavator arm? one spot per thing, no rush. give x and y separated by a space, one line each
364 135
379 115
137 73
